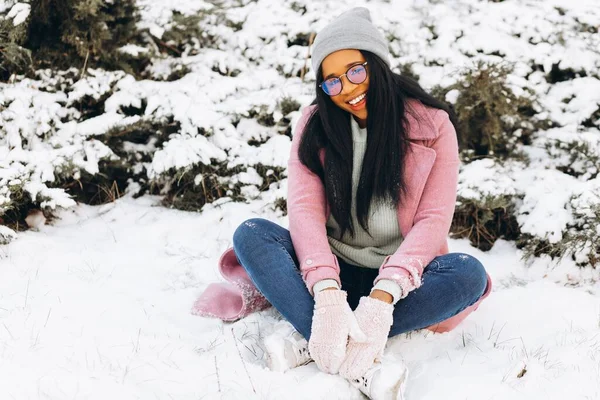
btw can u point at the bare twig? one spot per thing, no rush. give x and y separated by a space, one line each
7 330
137 345
498 335
162 44
26 294
491 330
218 378
310 41
463 360
47 317
84 64
235 340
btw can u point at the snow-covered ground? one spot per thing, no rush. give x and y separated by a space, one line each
96 304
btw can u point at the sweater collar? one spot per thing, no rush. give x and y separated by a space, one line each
358 134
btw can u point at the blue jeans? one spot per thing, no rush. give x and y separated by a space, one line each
450 283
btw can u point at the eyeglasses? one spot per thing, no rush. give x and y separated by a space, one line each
355 74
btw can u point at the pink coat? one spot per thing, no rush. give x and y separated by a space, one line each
431 175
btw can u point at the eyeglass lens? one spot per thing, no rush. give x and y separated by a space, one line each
356 74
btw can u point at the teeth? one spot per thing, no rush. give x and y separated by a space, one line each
356 100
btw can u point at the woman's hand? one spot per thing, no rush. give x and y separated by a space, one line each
333 322
382 295
375 318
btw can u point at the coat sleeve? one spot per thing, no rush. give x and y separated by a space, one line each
307 213
434 213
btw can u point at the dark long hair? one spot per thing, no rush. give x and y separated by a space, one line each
381 177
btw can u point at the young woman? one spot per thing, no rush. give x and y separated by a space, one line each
372 187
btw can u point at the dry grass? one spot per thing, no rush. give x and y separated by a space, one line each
484 221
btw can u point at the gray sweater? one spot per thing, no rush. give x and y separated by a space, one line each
362 249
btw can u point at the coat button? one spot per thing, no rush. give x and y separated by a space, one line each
309 262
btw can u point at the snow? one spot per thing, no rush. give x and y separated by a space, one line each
582 96
156 15
95 84
543 213
133 50
101 308
6 235
182 152
483 178
37 146
19 13
96 304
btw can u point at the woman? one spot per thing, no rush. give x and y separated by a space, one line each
372 187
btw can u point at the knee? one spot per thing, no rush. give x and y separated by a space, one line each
472 271
248 230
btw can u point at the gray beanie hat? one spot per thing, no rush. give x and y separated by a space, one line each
350 30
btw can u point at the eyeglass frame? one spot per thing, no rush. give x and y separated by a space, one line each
342 82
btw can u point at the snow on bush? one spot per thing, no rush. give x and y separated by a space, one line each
214 116
40 144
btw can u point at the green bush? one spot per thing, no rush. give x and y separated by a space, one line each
134 144
594 120
14 214
287 105
582 159
581 238
189 189
104 187
60 34
281 205
184 31
492 120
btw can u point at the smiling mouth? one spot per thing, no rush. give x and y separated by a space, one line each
357 99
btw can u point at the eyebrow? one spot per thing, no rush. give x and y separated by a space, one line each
347 66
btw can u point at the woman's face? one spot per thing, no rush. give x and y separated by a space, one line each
337 64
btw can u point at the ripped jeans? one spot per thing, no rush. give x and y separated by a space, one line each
450 283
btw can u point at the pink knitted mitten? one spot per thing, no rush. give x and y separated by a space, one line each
332 323
375 320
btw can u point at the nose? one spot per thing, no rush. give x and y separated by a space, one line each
347 86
